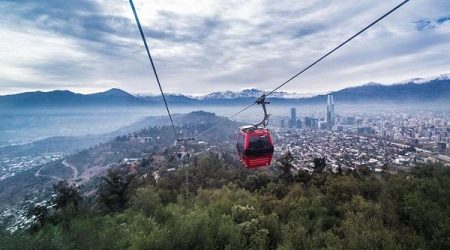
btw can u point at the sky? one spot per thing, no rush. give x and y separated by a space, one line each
201 46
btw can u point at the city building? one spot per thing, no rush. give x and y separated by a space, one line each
330 112
293 120
349 121
323 125
309 122
299 123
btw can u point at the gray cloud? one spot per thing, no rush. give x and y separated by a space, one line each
443 19
206 46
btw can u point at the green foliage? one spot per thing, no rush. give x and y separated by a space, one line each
115 190
65 195
319 165
286 166
146 201
234 208
41 213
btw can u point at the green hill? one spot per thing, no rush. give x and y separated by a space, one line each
225 206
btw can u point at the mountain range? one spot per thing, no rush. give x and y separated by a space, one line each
412 91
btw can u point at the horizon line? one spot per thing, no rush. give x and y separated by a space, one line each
417 80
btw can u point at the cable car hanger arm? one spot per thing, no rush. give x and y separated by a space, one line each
262 100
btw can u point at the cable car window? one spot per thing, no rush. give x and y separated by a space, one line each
259 142
240 143
241 139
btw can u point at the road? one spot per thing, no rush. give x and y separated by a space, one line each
38 174
74 169
66 164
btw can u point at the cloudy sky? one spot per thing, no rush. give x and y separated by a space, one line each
201 46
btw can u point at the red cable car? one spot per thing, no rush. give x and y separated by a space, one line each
254 146
254 142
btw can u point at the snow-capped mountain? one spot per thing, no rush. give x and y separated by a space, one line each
434 89
427 79
251 93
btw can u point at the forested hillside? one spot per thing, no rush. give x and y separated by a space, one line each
225 206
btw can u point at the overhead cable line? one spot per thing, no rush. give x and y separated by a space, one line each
153 67
223 121
306 68
338 47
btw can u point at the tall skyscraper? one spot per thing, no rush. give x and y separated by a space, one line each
293 118
330 111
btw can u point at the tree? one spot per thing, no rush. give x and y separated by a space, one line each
114 191
41 213
339 170
304 177
319 165
320 176
146 200
252 226
286 166
65 195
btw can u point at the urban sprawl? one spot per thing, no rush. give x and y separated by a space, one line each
388 141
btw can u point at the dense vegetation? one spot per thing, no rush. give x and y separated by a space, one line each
227 207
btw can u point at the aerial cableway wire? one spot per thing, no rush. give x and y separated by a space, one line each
306 68
279 86
338 47
153 67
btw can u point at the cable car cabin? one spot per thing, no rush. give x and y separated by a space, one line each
254 146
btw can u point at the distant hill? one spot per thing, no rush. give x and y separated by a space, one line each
412 91
59 98
415 91
431 91
90 152
67 144
171 98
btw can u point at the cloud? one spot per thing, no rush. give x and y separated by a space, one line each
424 25
201 46
443 19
